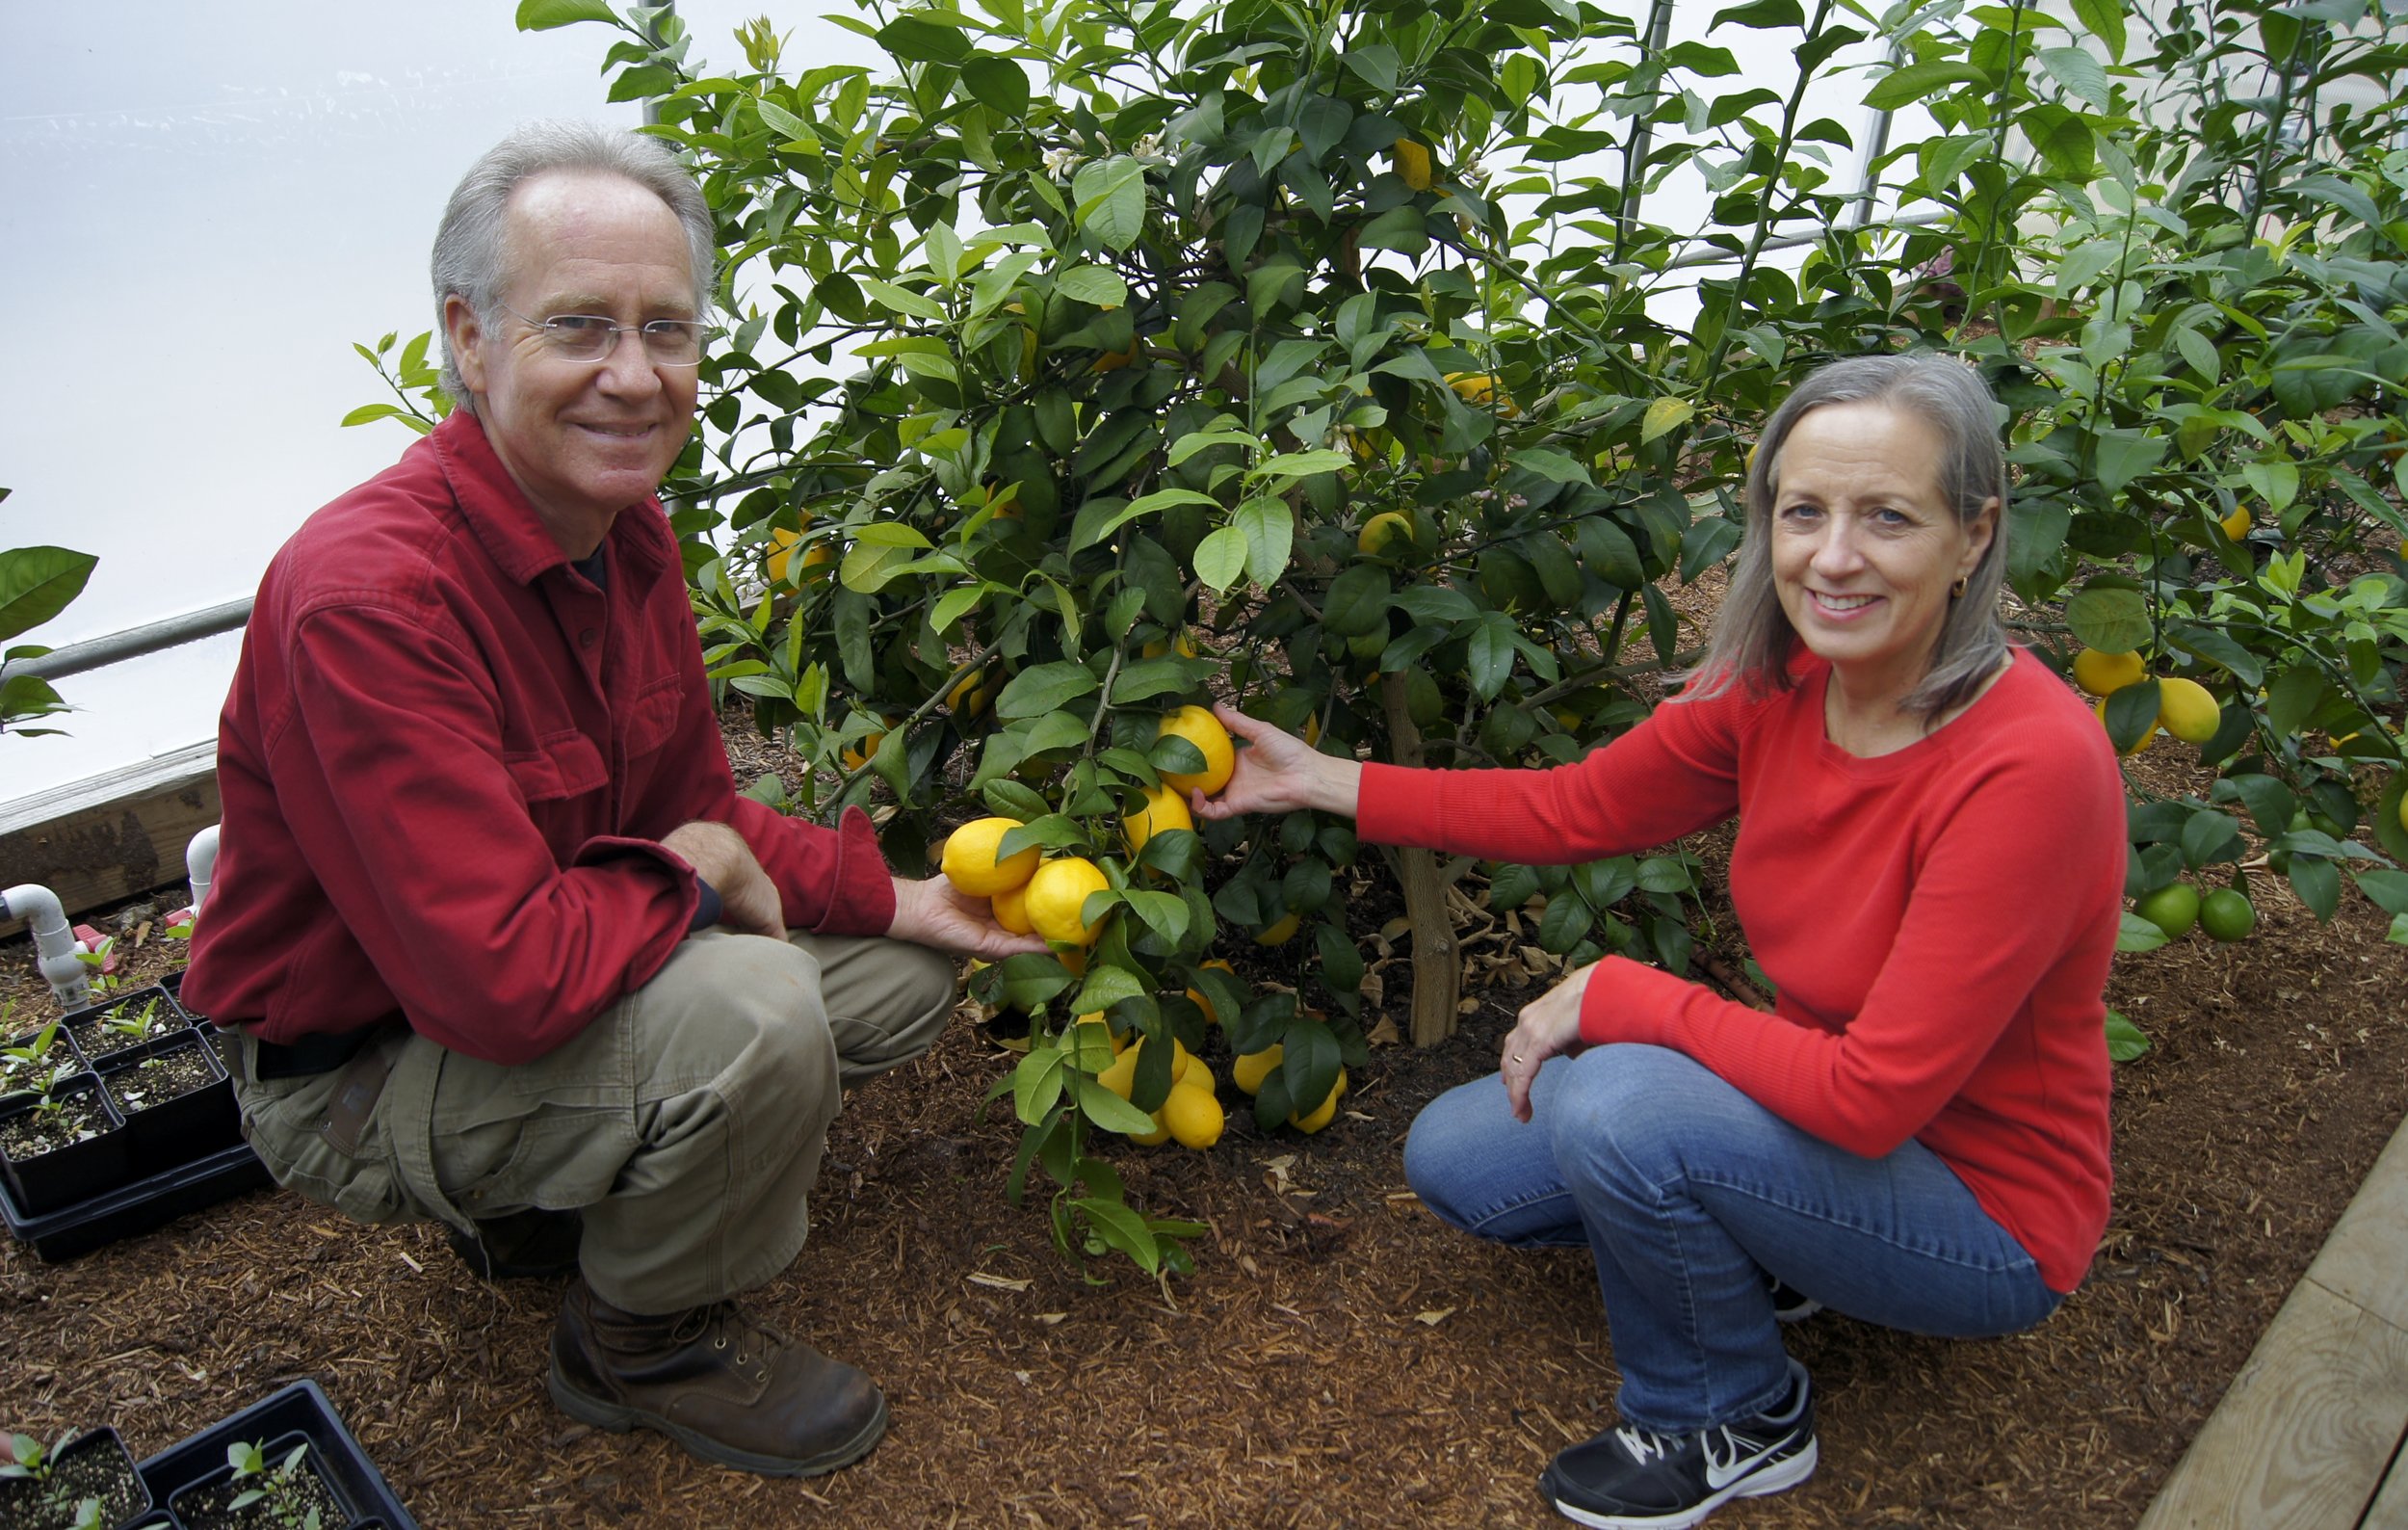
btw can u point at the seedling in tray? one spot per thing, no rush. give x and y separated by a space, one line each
57 1120
28 1061
157 1079
81 1483
288 1496
126 1026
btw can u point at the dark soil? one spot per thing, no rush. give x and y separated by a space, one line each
1337 1358
94 1465
34 1131
170 1074
100 1038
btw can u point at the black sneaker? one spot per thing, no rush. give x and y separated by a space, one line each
1636 1478
1790 1304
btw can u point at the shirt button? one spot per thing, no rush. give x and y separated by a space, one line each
585 639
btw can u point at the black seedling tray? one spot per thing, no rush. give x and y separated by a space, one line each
137 1207
300 1408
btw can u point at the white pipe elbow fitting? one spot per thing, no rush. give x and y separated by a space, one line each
200 858
54 941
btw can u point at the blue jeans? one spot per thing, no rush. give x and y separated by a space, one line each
1688 1192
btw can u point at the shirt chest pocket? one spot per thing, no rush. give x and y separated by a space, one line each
562 765
653 717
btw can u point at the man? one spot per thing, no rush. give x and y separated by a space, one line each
501 943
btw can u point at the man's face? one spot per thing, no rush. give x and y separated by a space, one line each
584 440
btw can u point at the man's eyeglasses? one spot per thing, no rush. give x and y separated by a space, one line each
591 338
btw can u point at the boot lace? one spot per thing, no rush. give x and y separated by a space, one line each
729 1327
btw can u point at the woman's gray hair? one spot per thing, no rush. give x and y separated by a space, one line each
469 258
1753 640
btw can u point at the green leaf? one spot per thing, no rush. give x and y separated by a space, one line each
997 82
1401 228
2109 619
1916 82
911 38
2318 884
2292 698
1093 284
1107 1109
1105 986
1045 688
1665 413
36 584
1488 661
1036 1084
2123 455
1122 1228
1220 558
2124 1041
1166 912
1268 527
1110 195
543 16
1762 14
2103 19
777 120
1010 799
2136 934
2078 73
902 300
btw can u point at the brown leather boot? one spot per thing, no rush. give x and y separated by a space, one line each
722 1386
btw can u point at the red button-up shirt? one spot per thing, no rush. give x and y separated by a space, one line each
447 761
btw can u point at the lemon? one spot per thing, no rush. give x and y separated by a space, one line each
1114 361
2236 524
2188 710
1412 164
1057 891
2173 908
2226 915
1280 931
1249 1070
1121 1077
2146 739
1165 808
856 755
783 543
1322 1114
2106 674
1210 1016
1181 1059
1011 909
2403 814
1091 1036
1311 734
818 555
1199 1075
968 698
1383 530
970 862
1202 729
1156 1137
1478 387
1183 644
1193 1117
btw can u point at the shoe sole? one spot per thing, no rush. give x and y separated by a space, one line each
619 1419
1779 1477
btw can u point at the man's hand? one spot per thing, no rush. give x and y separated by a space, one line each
937 914
1550 1024
748 901
1278 773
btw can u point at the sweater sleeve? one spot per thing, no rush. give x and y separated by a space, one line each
1980 927
1675 772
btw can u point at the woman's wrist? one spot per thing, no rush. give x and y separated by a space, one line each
1337 784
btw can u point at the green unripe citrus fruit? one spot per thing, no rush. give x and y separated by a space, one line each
2227 916
2173 908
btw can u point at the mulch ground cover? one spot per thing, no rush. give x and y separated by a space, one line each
1337 1358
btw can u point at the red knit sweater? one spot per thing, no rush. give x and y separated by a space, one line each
1938 921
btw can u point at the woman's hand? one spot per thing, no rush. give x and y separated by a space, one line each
1550 1024
1278 773
937 914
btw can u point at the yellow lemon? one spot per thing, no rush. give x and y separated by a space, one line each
856 755
970 862
1165 808
1280 931
1202 729
1322 1114
1211 1016
817 555
783 543
1383 530
1193 1117
1183 643
1159 1135
1011 909
2403 814
1121 1077
968 698
2188 710
2236 524
1412 164
2106 674
2146 739
1312 734
1181 1059
1250 1070
1114 361
1478 387
1057 893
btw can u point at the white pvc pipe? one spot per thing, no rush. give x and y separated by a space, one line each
54 941
200 858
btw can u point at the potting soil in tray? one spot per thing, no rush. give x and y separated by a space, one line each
287 1493
147 1015
300 1411
93 1465
165 1075
31 1133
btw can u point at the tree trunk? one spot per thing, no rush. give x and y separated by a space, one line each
1437 971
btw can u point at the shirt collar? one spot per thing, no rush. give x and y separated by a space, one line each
497 511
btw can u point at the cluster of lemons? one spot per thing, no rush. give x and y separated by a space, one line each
2185 708
1035 894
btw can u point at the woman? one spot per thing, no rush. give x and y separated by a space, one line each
1929 864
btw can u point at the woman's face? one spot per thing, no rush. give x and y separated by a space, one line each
1865 545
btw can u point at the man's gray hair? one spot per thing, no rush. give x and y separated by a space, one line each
469 258
1753 639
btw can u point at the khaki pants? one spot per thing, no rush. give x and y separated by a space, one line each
686 1122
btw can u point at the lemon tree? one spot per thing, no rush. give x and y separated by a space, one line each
1087 364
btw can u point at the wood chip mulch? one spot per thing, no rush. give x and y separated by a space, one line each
1337 1359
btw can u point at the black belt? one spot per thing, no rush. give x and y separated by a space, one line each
319 1052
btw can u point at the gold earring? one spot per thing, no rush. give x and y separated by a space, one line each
1956 590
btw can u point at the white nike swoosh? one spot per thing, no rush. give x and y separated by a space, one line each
1722 1474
